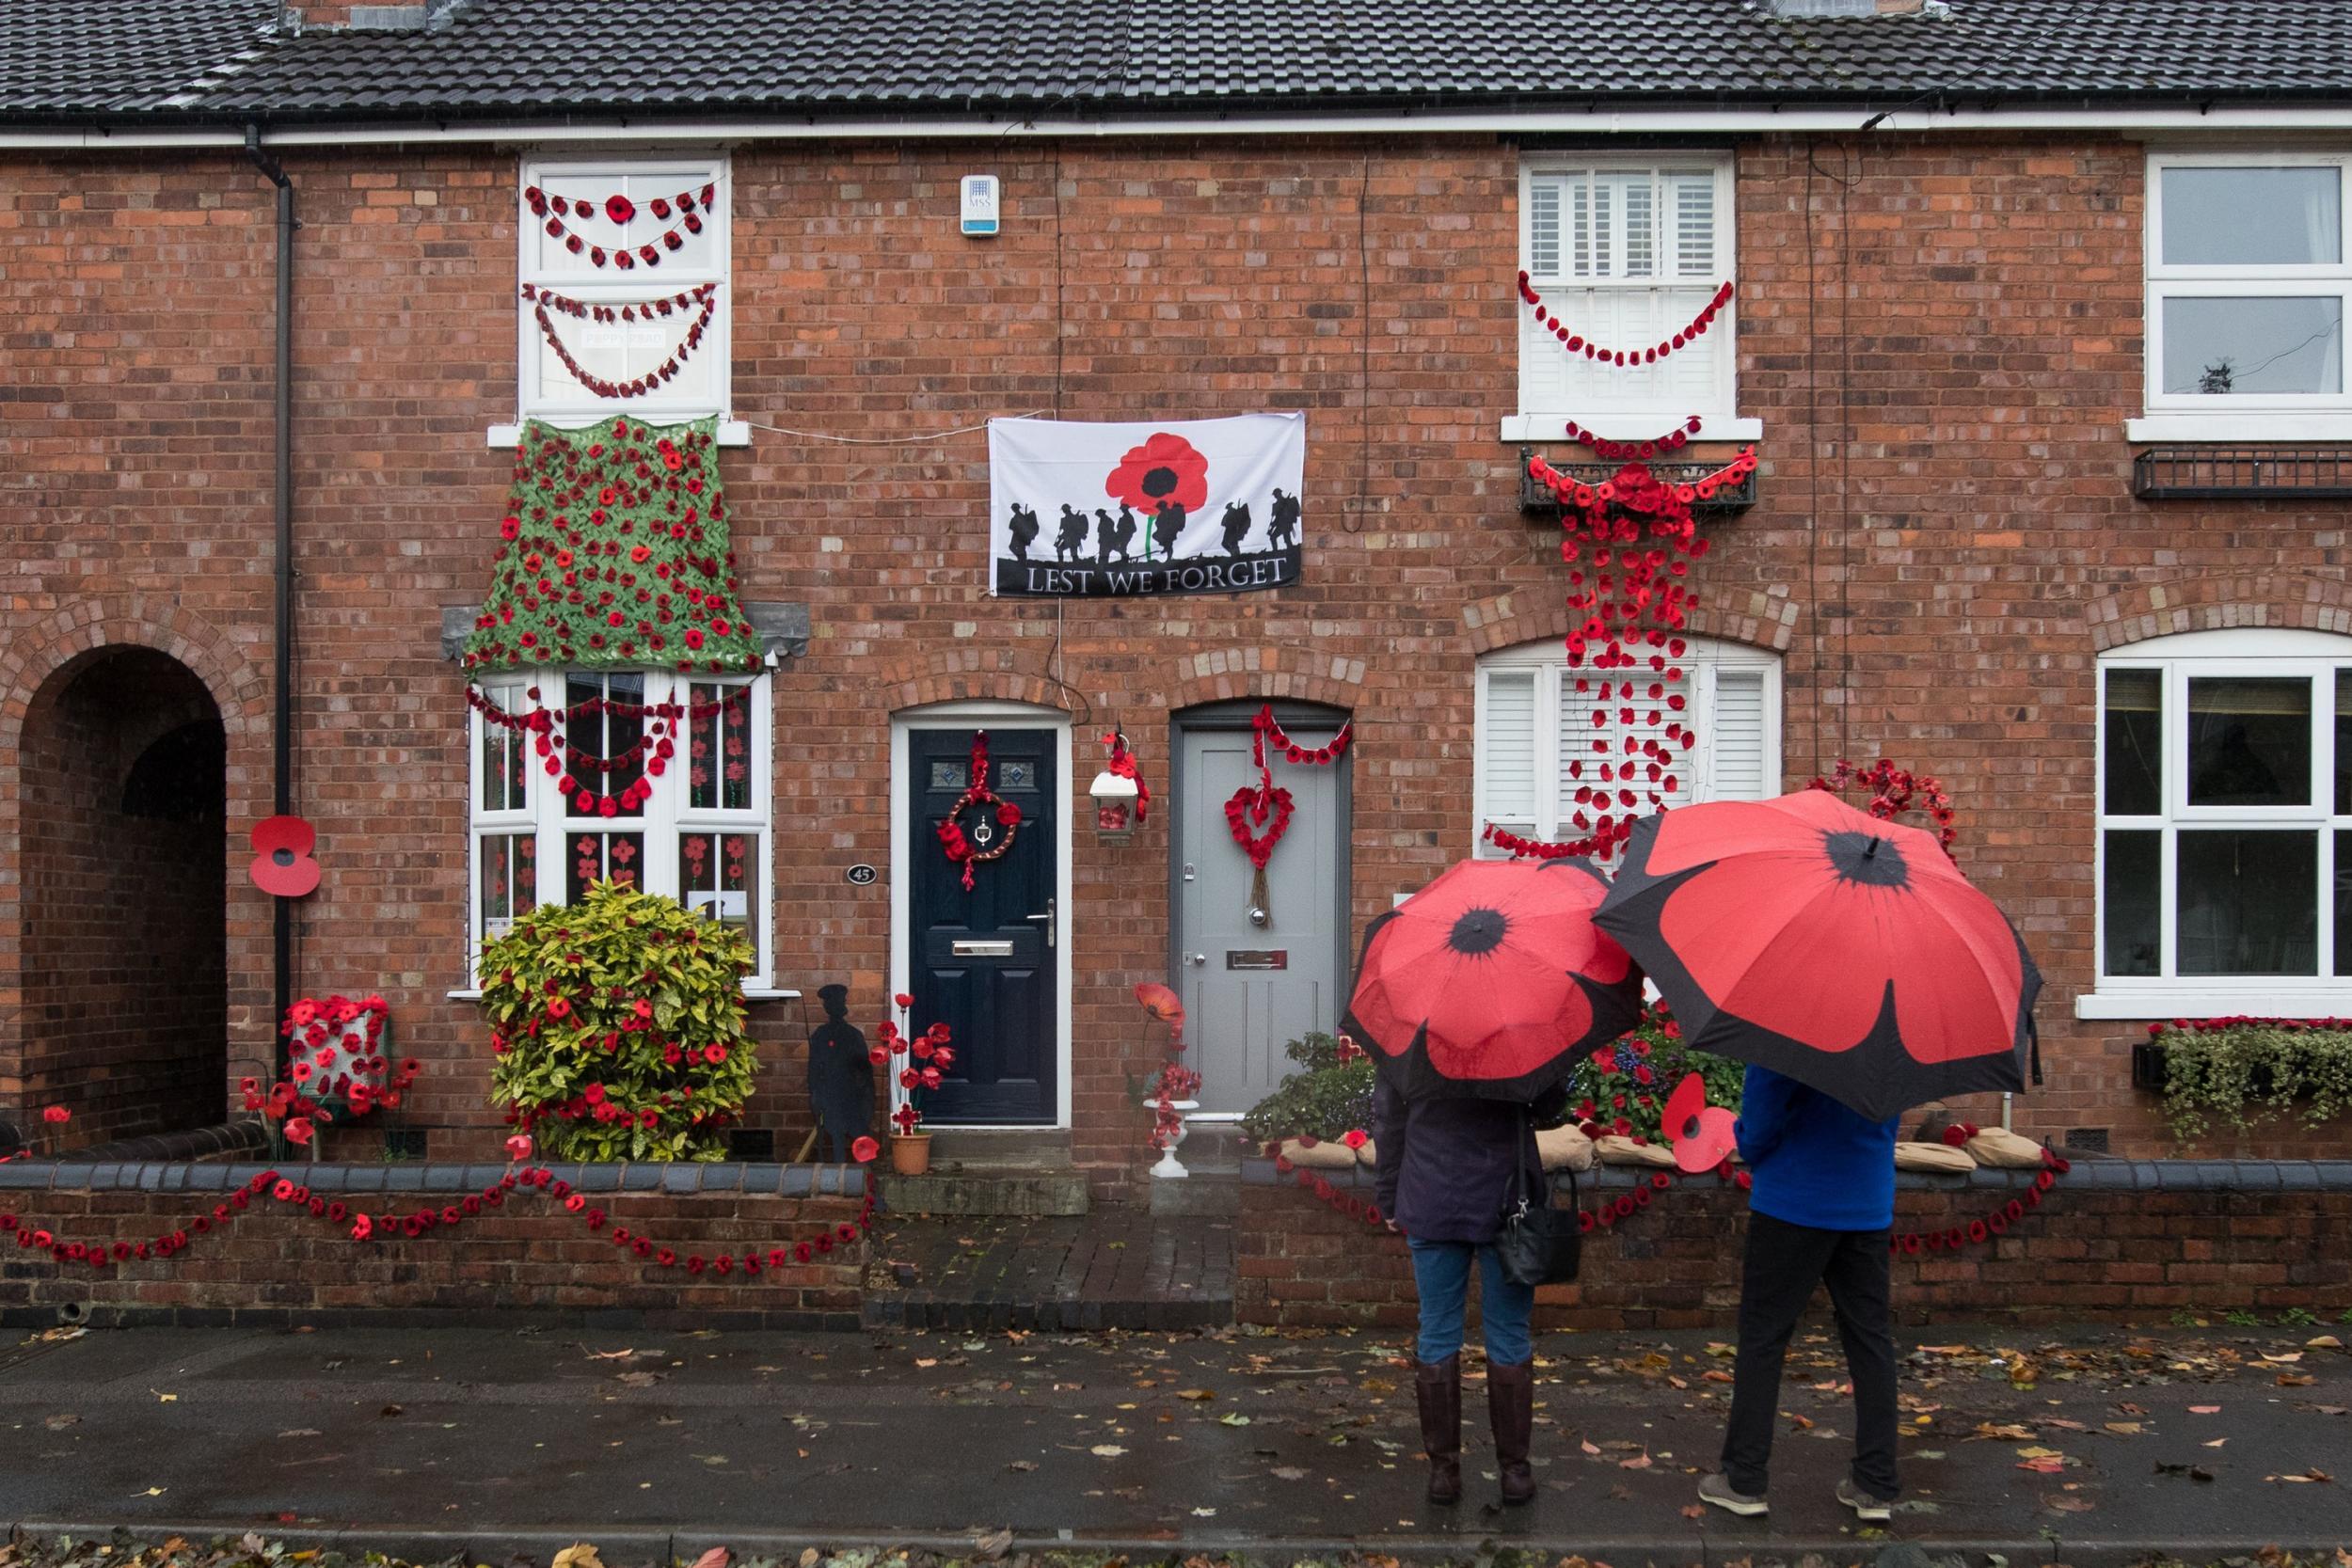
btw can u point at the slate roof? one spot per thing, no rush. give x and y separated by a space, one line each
498 59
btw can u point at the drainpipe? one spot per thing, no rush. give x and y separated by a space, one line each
282 613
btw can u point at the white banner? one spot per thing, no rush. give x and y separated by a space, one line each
1186 506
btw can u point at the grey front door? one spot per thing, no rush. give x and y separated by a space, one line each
1249 989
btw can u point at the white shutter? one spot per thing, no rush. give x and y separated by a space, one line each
1737 770
1543 226
1639 196
1693 197
1506 751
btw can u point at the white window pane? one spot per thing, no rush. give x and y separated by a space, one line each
2252 217
1739 769
1543 227
1508 749
2240 344
2250 903
1625 318
1693 224
624 352
1641 225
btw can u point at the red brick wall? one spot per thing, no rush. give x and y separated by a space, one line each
273 1264
2102 1256
1941 581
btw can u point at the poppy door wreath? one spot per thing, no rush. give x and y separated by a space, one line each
972 849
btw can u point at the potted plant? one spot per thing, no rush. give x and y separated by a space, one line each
923 1060
337 1067
1328 1097
1170 1091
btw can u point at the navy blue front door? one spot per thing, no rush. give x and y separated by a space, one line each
985 960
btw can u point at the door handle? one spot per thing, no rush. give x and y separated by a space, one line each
1200 961
1048 918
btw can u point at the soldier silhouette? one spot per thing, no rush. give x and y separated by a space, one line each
1113 534
1236 525
1167 526
1070 543
840 1076
1025 526
1282 527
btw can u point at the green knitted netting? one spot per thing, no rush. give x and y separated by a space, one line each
615 556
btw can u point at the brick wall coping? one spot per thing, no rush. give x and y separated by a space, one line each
424 1176
2203 1176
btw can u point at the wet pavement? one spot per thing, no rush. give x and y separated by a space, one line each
2101 1448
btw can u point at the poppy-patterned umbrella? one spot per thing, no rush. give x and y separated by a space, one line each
1492 981
1837 949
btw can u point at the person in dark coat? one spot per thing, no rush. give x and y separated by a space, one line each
1445 1178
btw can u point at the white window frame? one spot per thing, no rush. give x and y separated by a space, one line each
2238 415
664 818
2262 652
1705 657
1625 419
715 352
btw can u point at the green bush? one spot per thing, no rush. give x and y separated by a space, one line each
2240 1071
618 1028
1329 1095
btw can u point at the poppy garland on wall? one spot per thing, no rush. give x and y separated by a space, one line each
1259 814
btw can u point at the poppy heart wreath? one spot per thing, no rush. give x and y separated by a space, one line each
972 849
1265 806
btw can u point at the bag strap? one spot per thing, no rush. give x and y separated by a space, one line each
1517 1209
2033 1037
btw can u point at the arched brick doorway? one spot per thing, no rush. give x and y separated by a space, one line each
125 952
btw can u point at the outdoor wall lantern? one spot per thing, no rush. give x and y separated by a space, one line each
1120 798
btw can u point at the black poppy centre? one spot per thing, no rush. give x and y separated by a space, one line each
1477 931
1160 481
281 857
1866 859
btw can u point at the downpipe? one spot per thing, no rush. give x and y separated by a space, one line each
282 629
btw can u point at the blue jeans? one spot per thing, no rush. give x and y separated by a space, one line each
1441 1276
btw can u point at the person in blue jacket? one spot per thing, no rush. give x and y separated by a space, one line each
1820 1209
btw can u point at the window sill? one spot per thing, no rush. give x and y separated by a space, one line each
751 993
1628 427
732 432
2146 1007
2239 427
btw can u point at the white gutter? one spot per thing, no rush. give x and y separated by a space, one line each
2270 118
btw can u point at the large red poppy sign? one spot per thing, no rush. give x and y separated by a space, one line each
1192 506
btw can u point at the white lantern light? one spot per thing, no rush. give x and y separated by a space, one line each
1114 806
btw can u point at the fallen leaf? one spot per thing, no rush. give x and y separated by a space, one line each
2307 1478
2066 1504
394 1410
2295 1380
1233 1419
59 1423
2325 1342
1590 1446
1196 1394
611 1354
1288 1472
1023 1465
987 1548
1639 1462
718 1557
2005 1432
578 1555
2044 1467
2287 1358
2215 1444
153 1492
2127 1428
1204 1513
2204 1410
1103 1451
2040 1453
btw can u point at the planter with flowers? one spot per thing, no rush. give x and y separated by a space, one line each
1622 1088
1169 1092
337 1069
616 1025
923 1061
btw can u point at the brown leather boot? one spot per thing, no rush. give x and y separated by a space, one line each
1511 1410
1438 1385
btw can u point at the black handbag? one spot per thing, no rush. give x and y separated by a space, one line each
1538 1244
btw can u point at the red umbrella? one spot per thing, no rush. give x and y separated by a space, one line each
1843 951
1492 981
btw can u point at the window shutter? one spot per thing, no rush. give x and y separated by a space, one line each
1508 746
1543 227
1693 199
1736 769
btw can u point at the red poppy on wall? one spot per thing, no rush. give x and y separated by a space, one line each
1166 467
620 209
282 866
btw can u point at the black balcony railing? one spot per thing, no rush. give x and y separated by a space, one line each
2209 473
1536 501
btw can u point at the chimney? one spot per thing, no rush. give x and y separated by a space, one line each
341 16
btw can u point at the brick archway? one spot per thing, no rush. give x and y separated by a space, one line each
968 675
1265 671
1760 617
2286 599
104 688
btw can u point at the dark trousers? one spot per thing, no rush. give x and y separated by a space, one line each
1784 1262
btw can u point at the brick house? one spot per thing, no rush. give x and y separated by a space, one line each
2037 333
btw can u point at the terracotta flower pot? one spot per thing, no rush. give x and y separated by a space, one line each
910 1154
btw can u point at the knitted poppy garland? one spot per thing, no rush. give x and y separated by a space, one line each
615 556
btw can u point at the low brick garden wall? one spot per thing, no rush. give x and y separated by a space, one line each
2114 1241
528 1256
